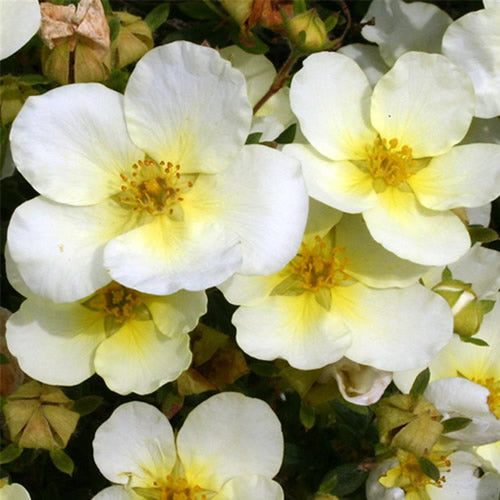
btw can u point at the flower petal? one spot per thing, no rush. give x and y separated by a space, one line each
321 218
250 487
229 435
387 325
135 444
466 176
369 262
164 256
414 232
116 493
339 184
472 43
138 358
65 335
58 248
330 96
19 22
400 27
270 210
296 328
77 157
246 290
425 102
187 105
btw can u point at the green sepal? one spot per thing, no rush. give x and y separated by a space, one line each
446 275
10 453
480 234
114 27
62 461
158 16
324 298
455 424
289 287
429 469
307 415
474 340
288 135
254 138
487 305
420 383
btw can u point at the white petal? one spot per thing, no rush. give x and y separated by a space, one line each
414 232
368 58
187 105
479 215
79 153
369 262
330 96
375 490
472 42
321 218
268 212
249 488
65 335
388 326
12 273
400 27
339 184
116 493
229 435
136 442
268 126
139 358
297 329
490 453
466 176
19 21
458 397
165 256
425 102
491 3
246 290
58 249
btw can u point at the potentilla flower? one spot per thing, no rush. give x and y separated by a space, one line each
13 491
155 187
391 153
136 342
19 21
230 447
339 296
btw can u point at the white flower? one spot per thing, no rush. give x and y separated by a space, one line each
230 447
339 297
13 491
19 21
391 153
155 187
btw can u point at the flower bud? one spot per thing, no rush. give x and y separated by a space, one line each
38 416
307 31
239 11
13 94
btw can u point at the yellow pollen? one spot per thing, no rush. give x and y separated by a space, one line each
385 161
177 488
155 188
319 266
493 386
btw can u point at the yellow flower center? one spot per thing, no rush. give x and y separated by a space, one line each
493 386
173 488
319 266
388 164
156 188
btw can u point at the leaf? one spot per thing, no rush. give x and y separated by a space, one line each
62 461
289 287
288 135
481 234
329 483
87 404
10 453
487 305
193 382
307 415
197 10
446 274
172 404
346 479
324 298
4 360
299 6
429 469
158 16
455 424
331 21
474 340
114 27
421 382
254 138
264 368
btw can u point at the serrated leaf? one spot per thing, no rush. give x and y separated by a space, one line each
288 135
421 382
254 138
446 275
480 234
62 461
475 341
289 287
307 415
87 404
455 424
324 298
158 16
487 305
429 469
4 360
114 27
10 453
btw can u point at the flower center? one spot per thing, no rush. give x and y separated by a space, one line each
156 188
177 488
388 164
494 398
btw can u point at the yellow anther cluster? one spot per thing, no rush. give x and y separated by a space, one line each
177 488
385 161
493 386
154 187
319 266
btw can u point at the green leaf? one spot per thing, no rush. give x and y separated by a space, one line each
114 27
446 275
288 135
87 404
158 16
429 469
474 340
482 234
62 461
288 287
197 10
34 79
299 6
346 479
4 360
487 305
254 138
329 483
331 21
264 369
307 415
420 384
324 298
455 424
10 453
